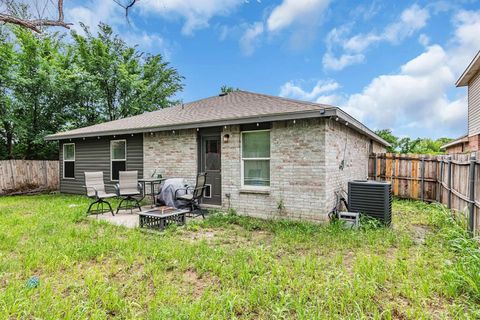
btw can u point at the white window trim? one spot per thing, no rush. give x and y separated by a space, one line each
242 164
63 160
111 157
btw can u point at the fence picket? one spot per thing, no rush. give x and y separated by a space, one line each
452 180
27 175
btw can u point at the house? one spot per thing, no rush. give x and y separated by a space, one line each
265 156
471 141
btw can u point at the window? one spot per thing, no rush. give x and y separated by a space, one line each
256 158
118 157
69 160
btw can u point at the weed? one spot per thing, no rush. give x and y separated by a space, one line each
232 266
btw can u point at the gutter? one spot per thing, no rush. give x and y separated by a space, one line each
322 113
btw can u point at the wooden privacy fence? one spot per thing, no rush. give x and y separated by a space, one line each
21 176
453 180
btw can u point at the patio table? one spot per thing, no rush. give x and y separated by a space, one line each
152 182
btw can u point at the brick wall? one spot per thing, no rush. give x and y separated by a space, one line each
378 148
458 148
173 154
474 143
304 166
297 173
344 143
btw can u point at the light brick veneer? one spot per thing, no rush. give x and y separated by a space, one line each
343 143
304 166
296 171
173 154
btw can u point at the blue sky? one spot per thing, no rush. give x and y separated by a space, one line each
389 64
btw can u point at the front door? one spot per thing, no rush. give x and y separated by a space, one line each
210 162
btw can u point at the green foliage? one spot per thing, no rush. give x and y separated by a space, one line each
121 80
463 273
409 145
227 89
228 267
387 135
48 84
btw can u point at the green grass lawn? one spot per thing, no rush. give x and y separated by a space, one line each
232 267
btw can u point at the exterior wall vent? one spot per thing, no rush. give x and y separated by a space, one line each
371 198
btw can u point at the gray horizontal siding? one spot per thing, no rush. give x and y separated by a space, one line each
93 154
474 106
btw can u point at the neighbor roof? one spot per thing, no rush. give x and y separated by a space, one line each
237 107
460 140
470 72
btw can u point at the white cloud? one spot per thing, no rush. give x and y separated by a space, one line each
360 42
411 20
466 40
293 11
415 101
249 39
416 92
424 40
294 90
196 13
303 13
333 63
92 13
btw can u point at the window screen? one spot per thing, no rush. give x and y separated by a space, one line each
256 158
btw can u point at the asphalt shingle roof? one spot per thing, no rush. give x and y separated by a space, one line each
234 105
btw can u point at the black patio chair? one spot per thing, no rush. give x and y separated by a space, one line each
95 189
193 195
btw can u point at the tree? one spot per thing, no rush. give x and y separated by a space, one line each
387 135
36 107
7 119
14 13
227 89
409 145
121 81
48 85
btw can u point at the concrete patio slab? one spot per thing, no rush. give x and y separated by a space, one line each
125 218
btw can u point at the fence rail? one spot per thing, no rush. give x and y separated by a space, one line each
21 176
453 180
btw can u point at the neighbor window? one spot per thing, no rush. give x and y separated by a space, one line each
69 160
256 158
118 157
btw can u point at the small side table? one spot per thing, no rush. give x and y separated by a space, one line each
152 182
155 219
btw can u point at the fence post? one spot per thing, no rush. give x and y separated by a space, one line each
375 167
471 204
439 181
422 177
449 181
393 174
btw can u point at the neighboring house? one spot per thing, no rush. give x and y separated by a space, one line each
265 156
471 141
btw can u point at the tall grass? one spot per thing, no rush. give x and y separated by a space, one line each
463 273
232 267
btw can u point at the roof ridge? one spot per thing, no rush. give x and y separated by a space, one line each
289 99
